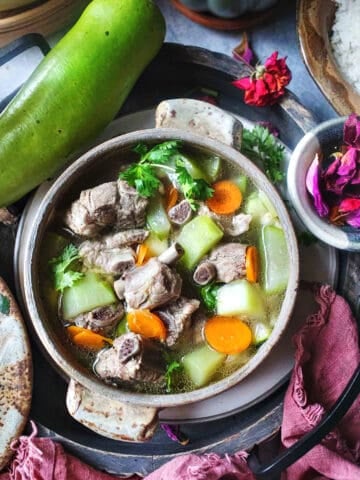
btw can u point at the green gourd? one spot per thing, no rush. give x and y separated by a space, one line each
76 91
229 8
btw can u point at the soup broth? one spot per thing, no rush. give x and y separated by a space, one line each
170 277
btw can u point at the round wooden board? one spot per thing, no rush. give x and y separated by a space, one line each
314 24
15 373
45 18
208 20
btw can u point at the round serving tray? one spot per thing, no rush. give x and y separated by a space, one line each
176 72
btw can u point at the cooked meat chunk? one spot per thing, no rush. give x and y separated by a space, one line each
94 210
239 224
131 358
151 285
119 287
229 261
204 273
180 213
109 205
101 320
112 254
233 225
110 260
125 238
177 317
131 208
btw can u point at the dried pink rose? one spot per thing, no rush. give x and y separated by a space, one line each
314 188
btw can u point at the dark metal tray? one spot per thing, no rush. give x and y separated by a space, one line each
177 71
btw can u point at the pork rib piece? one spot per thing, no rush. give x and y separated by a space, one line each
101 320
109 205
113 253
131 358
177 317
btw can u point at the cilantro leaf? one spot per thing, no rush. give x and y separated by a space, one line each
192 188
209 295
142 175
4 304
171 367
63 276
260 145
162 152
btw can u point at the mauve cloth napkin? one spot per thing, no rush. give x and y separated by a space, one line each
327 353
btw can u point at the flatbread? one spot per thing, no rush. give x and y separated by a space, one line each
15 373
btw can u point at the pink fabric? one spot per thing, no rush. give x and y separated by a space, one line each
206 467
43 459
327 354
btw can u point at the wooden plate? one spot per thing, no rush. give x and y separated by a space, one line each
15 373
45 18
314 23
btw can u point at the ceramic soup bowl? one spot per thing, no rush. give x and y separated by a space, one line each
112 411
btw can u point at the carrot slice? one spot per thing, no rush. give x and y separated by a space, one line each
147 324
141 254
252 264
226 198
87 339
228 335
172 196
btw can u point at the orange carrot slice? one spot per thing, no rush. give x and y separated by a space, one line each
141 254
252 264
226 199
172 196
147 324
83 337
228 335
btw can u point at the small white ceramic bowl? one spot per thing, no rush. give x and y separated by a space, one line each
324 137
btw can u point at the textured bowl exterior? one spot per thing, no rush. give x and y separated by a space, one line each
90 170
325 136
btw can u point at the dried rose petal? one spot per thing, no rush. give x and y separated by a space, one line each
341 171
352 131
349 205
243 51
354 219
174 433
313 187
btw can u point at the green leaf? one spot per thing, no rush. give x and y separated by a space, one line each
192 188
63 276
261 146
209 295
142 177
172 365
4 304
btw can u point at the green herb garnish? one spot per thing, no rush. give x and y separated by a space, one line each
192 188
143 174
261 146
171 366
63 276
306 238
4 304
209 295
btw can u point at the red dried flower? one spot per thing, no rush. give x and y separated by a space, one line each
267 84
